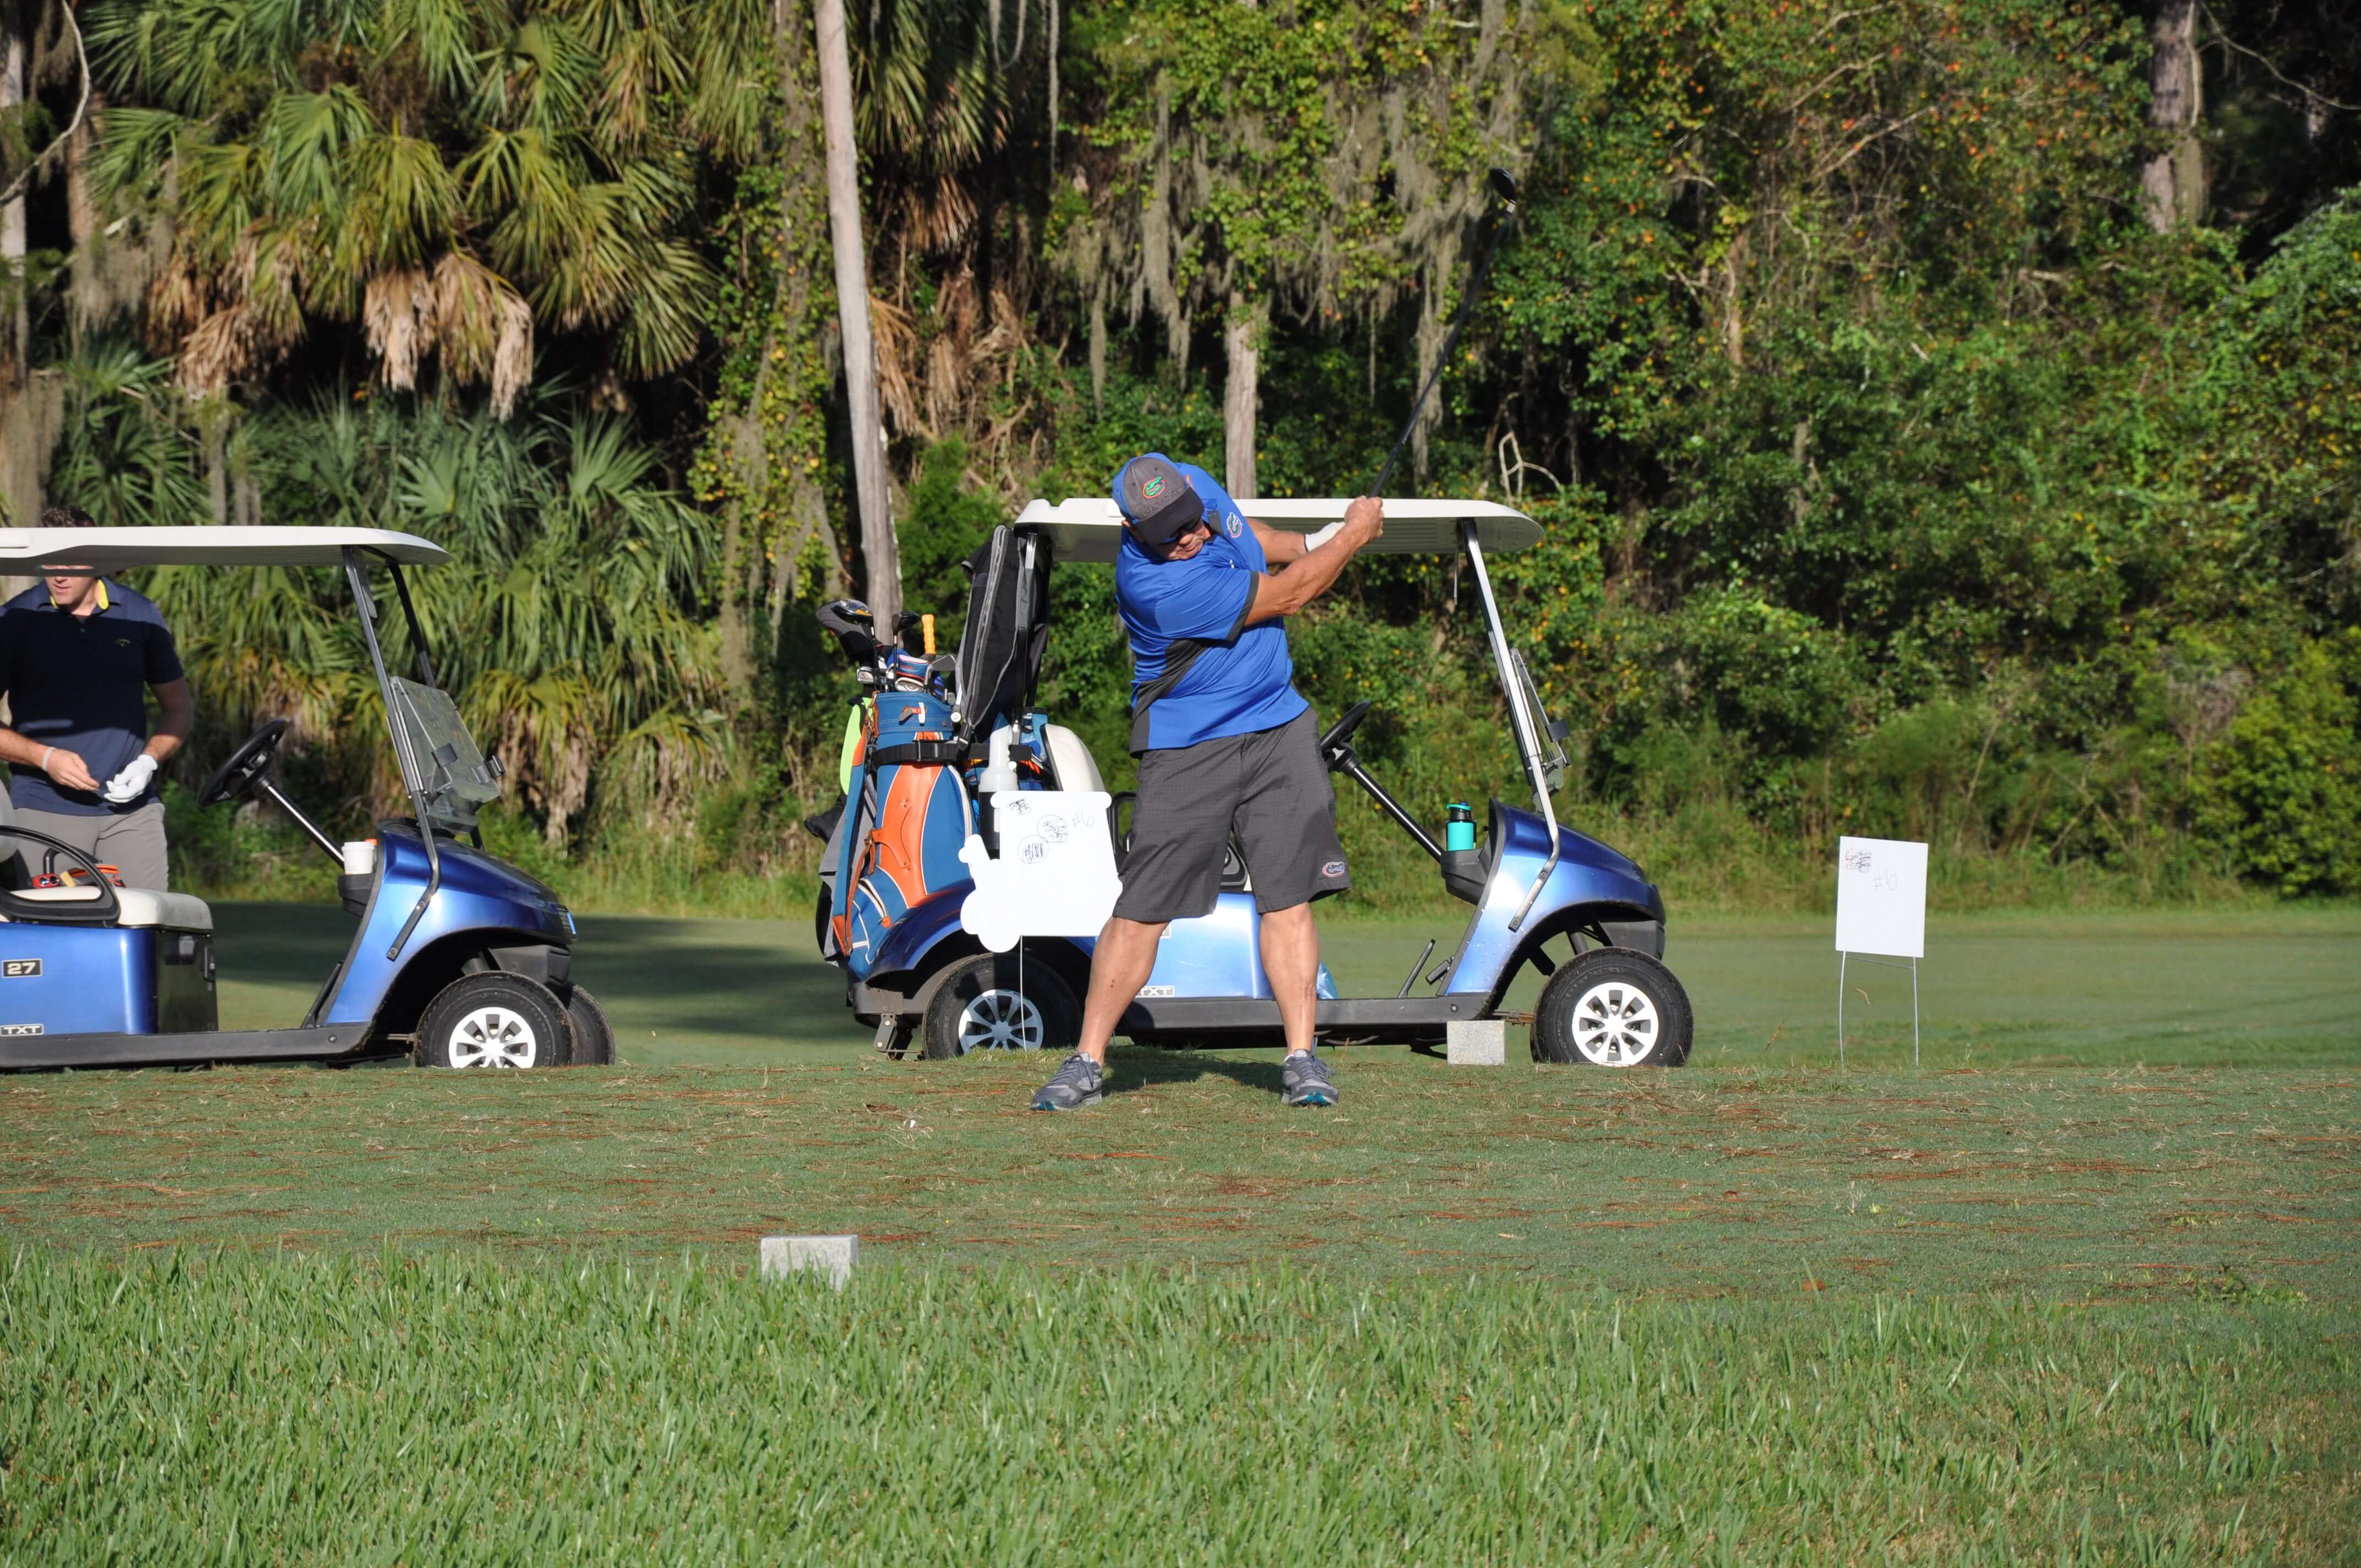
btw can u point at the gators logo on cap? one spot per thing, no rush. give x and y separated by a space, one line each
1153 488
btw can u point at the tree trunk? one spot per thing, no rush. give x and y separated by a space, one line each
16 89
878 547
1098 346
1241 335
2172 184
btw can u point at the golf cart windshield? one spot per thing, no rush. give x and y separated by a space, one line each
444 769
1550 733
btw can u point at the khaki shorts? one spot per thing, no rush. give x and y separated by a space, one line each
130 842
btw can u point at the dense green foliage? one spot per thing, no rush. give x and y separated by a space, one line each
469 1410
1897 476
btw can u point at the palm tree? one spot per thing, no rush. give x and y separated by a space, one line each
880 551
569 628
450 176
955 105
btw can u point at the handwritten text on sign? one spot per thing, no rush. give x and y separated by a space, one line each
1881 897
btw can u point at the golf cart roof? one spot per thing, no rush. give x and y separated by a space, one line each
27 551
1088 528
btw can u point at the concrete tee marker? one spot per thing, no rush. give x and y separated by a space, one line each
830 1257
1480 1042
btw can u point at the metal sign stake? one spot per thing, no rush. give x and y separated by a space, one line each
1910 964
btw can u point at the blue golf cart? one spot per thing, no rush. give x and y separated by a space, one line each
922 981
457 960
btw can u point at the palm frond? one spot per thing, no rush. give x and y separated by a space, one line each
399 316
452 38
306 137
660 328
403 201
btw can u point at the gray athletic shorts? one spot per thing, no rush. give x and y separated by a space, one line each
1268 787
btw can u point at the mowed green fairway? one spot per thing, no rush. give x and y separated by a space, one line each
2091 1155
2276 986
2084 1287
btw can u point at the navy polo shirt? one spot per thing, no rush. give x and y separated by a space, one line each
80 682
1233 679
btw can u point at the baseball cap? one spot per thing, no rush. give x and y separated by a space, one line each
1156 498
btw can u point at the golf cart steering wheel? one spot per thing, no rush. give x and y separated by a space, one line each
1334 746
237 778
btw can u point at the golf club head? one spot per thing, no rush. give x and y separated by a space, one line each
852 625
1504 186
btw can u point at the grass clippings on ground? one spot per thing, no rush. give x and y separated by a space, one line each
2065 1184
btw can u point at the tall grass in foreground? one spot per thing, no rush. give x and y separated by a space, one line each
459 1408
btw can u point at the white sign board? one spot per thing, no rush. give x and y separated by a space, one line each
1881 897
1055 876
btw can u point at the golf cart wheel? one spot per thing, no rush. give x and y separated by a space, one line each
594 1037
979 1007
1613 1007
495 1020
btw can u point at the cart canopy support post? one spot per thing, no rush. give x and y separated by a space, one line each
1528 749
357 575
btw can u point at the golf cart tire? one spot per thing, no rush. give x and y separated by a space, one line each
1592 1010
594 1037
460 1010
1061 1015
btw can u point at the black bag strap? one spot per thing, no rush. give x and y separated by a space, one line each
1184 652
953 752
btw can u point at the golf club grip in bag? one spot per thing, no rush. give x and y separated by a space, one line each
909 816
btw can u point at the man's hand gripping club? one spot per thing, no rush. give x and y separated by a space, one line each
1313 572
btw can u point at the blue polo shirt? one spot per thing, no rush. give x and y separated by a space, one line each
80 682
1188 617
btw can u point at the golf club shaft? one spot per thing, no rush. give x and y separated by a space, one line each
1475 287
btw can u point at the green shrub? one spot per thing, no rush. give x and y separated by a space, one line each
249 850
2283 789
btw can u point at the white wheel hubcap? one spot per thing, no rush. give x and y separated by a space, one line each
1000 1021
494 1036
1615 1025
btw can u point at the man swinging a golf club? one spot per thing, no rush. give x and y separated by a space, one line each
1226 744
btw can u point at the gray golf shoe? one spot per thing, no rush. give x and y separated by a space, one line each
1080 1083
1303 1080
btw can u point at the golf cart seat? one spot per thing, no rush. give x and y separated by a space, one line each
136 907
1071 766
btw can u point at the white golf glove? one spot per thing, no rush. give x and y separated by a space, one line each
1323 536
131 783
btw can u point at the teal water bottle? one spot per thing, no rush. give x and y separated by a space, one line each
1459 831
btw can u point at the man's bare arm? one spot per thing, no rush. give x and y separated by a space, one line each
1310 575
177 714
1280 546
65 767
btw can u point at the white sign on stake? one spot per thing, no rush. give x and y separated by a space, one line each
1881 909
1881 897
1055 876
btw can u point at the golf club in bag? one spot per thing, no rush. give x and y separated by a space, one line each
1504 188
